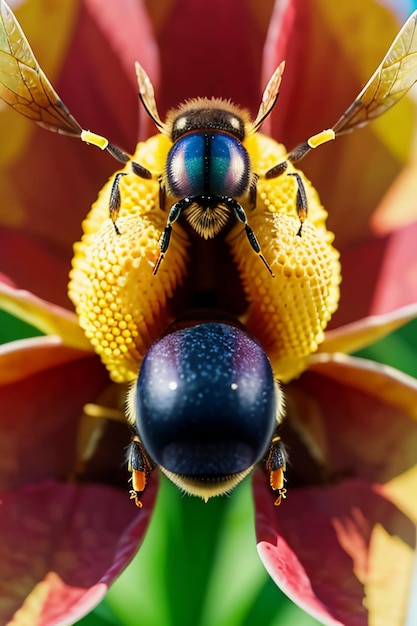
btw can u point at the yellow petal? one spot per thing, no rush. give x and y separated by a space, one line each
47 317
358 335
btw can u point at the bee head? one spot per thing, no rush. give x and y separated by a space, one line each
204 114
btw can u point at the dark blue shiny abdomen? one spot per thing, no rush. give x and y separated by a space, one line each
204 163
206 401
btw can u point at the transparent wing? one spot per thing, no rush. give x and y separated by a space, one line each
390 82
23 85
147 96
269 97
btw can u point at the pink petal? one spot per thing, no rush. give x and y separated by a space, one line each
62 546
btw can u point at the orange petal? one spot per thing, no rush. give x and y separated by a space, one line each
27 357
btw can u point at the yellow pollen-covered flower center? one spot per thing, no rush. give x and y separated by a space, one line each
288 313
123 307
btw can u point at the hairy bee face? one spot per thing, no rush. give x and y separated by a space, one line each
207 160
207 168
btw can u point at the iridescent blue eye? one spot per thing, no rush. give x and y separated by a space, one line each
208 163
206 402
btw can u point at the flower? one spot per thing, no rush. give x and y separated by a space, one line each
351 480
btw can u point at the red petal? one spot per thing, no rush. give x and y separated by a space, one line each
62 546
43 390
398 207
387 269
321 547
210 49
362 416
330 53
49 182
344 550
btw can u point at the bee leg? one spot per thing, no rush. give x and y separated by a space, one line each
296 155
277 170
253 191
162 194
124 157
301 201
240 215
276 465
314 141
140 466
115 200
117 153
173 215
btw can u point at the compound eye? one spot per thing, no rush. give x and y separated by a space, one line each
206 401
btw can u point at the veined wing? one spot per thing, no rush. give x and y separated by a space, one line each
23 85
390 82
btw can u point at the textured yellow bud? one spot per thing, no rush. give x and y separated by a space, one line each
121 305
287 313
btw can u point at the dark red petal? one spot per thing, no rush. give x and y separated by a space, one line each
43 390
62 546
361 416
350 508
210 48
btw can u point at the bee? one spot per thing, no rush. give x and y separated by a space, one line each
203 416
208 173
207 179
